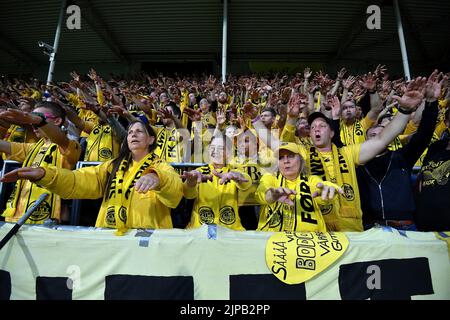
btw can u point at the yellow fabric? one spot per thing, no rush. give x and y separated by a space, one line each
149 210
25 193
102 145
168 146
305 215
100 96
36 95
346 215
18 134
356 132
288 135
87 116
255 169
209 120
216 203
444 236
297 257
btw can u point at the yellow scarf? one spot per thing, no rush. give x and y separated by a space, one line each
38 157
101 144
352 134
303 216
349 211
119 199
167 146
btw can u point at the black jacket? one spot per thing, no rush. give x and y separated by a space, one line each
385 181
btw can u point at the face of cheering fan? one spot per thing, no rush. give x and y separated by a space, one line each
217 151
290 164
348 110
321 133
138 138
50 118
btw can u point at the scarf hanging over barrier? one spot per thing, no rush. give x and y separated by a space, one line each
348 205
40 156
119 197
303 216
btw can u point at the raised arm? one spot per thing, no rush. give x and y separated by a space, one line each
408 103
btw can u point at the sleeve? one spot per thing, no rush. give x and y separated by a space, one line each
366 123
170 186
352 151
72 153
267 181
84 183
288 133
19 151
420 140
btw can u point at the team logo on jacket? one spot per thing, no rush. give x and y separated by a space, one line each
349 194
123 214
227 215
42 212
110 217
206 215
275 219
326 208
105 153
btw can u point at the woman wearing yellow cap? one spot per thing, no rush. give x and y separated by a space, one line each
290 199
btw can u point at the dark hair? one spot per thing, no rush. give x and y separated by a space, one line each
55 109
271 110
125 153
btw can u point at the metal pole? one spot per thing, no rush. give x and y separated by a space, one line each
56 42
224 40
22 220
401 38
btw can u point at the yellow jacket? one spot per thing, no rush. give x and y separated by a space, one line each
149 210
216 203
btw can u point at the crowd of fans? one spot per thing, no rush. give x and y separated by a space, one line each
306 152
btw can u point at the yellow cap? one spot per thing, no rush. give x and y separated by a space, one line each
292 147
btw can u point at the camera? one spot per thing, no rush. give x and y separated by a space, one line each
48 49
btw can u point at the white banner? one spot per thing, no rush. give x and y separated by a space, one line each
212 263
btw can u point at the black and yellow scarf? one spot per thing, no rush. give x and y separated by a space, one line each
40 156
352 134
119 196
349 203
302 216
167 145
101 144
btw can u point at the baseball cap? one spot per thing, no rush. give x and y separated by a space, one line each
313 116
291 146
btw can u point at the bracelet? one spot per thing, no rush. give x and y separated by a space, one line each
405 111
256 119
43 120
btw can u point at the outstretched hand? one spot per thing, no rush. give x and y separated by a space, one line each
280 194
26 173
228 176
327 190
195 177
147 182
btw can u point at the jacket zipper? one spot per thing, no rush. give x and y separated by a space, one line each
379 184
